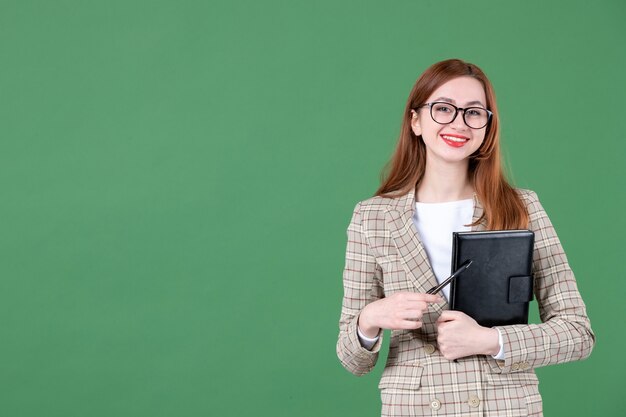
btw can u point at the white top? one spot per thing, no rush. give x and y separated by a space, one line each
435 223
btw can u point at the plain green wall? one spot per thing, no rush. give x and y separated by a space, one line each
177 178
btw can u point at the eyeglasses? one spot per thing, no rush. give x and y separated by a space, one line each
445 113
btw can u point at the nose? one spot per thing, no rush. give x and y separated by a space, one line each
458 122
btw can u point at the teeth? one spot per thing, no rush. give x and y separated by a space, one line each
454 139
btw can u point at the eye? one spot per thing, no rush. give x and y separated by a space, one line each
475 112
443 108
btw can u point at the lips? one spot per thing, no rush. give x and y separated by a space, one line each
456 141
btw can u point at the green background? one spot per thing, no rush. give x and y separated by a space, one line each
177 178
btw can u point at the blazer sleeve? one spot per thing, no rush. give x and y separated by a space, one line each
362 284
565 332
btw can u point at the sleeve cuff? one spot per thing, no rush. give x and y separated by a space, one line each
501 354
367 342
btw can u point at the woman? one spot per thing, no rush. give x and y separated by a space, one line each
446 176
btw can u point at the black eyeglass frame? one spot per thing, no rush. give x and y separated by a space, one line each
456 113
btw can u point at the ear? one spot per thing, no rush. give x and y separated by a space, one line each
415 123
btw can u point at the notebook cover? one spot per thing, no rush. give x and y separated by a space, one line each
496 289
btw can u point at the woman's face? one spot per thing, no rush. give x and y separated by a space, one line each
454 142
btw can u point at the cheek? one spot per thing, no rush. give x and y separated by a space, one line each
429 132
479 139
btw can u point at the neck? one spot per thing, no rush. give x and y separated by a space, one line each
444 182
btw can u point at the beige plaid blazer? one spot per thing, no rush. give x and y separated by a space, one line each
385 255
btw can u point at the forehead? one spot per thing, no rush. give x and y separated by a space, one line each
461 91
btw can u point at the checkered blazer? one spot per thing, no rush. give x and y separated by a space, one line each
385 255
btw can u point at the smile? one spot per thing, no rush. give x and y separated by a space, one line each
455 141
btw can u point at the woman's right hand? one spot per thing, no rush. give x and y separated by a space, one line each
399 311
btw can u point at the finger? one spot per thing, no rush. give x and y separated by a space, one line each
428 298
415 306
423 298
405 325
410 297
410 324
452 315
448 315
412 315
443 317
442 326
418 296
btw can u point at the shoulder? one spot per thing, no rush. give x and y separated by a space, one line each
526 195
530 199
371 212
537 215
376 205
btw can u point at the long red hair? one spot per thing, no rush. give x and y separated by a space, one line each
503 207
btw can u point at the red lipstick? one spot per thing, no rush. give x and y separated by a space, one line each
456 141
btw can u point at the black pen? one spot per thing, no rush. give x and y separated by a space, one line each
448 280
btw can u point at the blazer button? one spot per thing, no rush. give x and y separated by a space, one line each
473 401
435 404
429 349
515 367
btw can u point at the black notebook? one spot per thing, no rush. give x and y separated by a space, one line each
496 289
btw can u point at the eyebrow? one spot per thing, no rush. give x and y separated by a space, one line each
469 103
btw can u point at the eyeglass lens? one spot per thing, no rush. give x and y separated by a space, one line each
444 113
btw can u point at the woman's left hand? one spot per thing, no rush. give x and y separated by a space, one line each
459 336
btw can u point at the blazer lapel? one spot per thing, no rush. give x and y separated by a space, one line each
404 237
478 212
